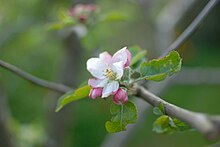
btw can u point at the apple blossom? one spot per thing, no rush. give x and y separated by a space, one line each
108 70
82 12
120 97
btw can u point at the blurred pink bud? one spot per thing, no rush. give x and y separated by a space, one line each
82 18
120 97
95 92
90 7
82 12
129 56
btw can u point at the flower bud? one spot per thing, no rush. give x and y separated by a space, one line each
120 97
82 18
129 56
95 92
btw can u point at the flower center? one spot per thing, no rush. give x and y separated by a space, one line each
110 74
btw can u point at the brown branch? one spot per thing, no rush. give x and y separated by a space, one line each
206 124
35 80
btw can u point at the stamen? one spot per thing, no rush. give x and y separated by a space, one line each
110 74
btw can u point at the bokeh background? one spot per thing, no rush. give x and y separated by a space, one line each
27 117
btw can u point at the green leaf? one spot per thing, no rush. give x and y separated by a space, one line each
181 125
162 108
114 16
122 116
72 96
113 127
157 111
161 125
159 69
138 57
55 26
166 124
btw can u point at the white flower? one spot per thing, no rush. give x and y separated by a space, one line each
108 70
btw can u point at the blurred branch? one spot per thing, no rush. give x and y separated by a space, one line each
191 28
35 80
206 124
6 137
196 76
69 74
167 19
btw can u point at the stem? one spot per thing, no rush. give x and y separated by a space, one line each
121 115
35 80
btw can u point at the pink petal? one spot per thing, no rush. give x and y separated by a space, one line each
129 56
120 55
110 89
105 56
95 83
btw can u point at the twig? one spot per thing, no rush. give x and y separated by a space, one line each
35 80
191 28
206 124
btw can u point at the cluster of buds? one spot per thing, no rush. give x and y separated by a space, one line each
82 12
108 71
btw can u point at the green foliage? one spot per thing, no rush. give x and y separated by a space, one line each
123 115
72 96
160 110
161 125
114 16
167 125
64 21
159 69
138 56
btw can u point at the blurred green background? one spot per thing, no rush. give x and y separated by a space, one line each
60 56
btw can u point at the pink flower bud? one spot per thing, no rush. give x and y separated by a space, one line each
95 92
82 18
120 97
129 56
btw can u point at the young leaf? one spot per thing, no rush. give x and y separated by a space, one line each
114 16
161 125
123 115
162 108
166 124
138 57
159 69
113 127
72 96
181 125
157 111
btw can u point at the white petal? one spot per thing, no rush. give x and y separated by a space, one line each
110 88
96 83
105 56
118 68
120 55
96 67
